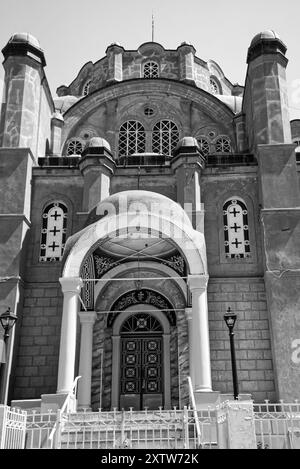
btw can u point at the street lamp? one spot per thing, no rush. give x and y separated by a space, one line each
7 320
230 319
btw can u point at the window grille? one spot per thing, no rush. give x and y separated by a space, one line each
74 148
54 232
86 88
214 87
132 138
236 230
165 137
150 70
204 146
223 145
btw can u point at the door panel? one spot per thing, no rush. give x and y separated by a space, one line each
141 383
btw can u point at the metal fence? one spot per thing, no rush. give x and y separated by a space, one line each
13 428
277 426
160 429
38 429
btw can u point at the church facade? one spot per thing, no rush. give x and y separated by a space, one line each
137 206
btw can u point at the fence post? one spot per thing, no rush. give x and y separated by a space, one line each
3 417
57 435
186 428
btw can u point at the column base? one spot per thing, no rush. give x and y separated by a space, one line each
204 399
56 401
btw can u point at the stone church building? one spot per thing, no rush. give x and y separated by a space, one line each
136 207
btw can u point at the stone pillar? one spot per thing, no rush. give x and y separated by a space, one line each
240 131
97 167
57 123
265 100
236 425
71 287
87 320
186 54
24 72
188 163
199 340
114 54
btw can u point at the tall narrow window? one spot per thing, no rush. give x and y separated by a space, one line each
236 229
150 70
223 145
54 229
132 138
75 147
214 87
165 137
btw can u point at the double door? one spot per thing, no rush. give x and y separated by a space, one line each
141 383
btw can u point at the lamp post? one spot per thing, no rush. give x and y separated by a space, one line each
230 319
7 320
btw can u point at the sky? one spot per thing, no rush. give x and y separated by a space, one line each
73 32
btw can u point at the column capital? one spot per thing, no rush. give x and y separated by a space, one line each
71 284
87 317
197 282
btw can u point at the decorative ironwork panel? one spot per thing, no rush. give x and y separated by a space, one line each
151 70
141 365
87 292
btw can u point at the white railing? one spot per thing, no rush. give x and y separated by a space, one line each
13 426
197 423
38 429
68 406
161 429
277 426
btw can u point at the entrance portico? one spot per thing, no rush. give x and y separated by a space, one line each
125 233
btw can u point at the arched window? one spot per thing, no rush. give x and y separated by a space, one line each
236 229
150 70
86 88
214 87
132 138
54 229
223 145
165 137
204 145
74 147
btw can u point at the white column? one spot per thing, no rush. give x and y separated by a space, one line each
199 340
188 316
87 320
71 287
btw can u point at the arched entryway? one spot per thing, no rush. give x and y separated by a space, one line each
141 359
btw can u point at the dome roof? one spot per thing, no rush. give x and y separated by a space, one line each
98 142
187 142
25 38
134 201
265 35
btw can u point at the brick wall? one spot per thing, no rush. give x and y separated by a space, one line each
246 297
37 354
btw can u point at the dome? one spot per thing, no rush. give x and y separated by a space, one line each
24 38
134 201
98 142
187 142
265 35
